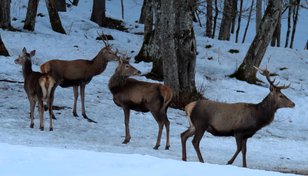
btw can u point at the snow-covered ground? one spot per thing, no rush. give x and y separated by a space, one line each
81 148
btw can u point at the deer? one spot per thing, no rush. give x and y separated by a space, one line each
79 73
132 94
39 87
241 120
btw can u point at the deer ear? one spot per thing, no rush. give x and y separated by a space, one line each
32 53
24 50
272 88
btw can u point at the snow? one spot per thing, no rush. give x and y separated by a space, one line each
81 148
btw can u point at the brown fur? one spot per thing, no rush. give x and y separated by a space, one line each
39 87
241 120
131 94
78 73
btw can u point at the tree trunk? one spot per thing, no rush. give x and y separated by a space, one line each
239 22
224 33
31 15
3 50
306 47
54 17
149 47
209 16
258 14
295 17
233 15
215 18
98 12
177 32
5 16
61 5
256 51
143 13
75 2
277 32
289 23
248 21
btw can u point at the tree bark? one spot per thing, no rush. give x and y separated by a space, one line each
98 12
256 51
248 21
31 15
209 16
233 15
224 33
54 17
289 23
5 16
258 14
295 17
239 21
61 5
3 50
276 36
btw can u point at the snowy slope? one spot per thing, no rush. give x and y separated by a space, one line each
281 146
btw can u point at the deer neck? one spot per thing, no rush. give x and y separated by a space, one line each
26 68
99 64
116 82
266 110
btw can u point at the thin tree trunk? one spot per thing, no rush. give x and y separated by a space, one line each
209 16
248 21
98 12
256 51
233 15
54 17
306 47
5 14
31 15
215 18
276 36
3 50
295 17
289 23
61 5
224 33
239 21
258 14
122 9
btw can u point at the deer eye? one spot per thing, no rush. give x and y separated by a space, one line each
126 66
281 96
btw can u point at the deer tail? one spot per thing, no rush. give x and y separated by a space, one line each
47 83
167 95
188 109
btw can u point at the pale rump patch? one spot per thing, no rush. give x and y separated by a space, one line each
188 109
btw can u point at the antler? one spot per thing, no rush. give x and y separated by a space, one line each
104 38
267 74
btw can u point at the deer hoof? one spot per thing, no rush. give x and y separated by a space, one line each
50 129
31 125
156 147
75 114
125 141
167 147
42 128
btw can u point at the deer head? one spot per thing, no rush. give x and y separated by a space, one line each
24 56
279 98
125 69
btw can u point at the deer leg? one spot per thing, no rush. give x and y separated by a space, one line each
167 126
75 88
184 136
50 113
82 94
126 122
41 111
196 142
32 106
239 140
157 116
244 142
51 99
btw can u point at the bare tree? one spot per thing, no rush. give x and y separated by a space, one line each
258 14
256 51
248 21
31 15
233 15
295 17
54 17
98 12
215 18
209 16
276 36
239 21
224 33
290 6
3 50
5 16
